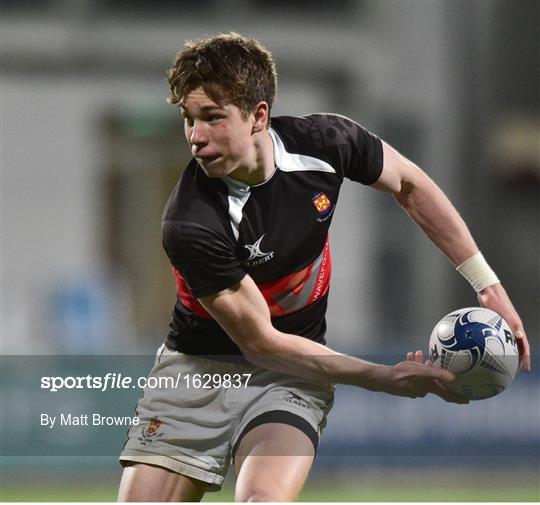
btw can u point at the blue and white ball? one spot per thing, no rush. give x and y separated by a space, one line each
479 347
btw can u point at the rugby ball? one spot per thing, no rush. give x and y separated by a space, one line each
479 347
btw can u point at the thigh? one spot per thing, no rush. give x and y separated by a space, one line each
146 483
272 454
183 427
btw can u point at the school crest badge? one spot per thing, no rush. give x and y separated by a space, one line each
151 433
322 203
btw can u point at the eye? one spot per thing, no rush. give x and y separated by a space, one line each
212 118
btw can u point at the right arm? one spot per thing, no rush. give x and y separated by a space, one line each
243 313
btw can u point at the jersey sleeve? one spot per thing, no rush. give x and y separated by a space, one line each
355 152
206 260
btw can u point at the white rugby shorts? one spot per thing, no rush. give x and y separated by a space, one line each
193 424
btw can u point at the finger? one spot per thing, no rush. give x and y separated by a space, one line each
419 357
436 374
446 395
524 350
410 356
429 385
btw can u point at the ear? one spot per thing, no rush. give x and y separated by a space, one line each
260 117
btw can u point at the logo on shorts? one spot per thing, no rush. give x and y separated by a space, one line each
256 256
296 400
151 433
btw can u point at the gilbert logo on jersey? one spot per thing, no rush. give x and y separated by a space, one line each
256 256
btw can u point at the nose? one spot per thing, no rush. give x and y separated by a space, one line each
197 135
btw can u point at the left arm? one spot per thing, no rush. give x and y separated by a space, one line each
429 207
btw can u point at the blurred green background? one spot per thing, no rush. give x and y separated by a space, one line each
479 483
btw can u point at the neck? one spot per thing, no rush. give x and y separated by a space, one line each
262 164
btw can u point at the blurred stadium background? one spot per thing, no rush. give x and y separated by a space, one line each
90 152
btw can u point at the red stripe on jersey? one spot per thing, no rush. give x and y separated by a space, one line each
322 284
298 290
284 296
187 299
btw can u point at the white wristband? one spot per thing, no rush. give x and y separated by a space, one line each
478 272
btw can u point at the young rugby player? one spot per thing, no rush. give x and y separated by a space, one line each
246 230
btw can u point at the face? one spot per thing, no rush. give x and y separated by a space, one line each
219 136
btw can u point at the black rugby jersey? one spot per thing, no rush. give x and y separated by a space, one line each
215 231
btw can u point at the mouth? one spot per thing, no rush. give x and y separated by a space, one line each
207 160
